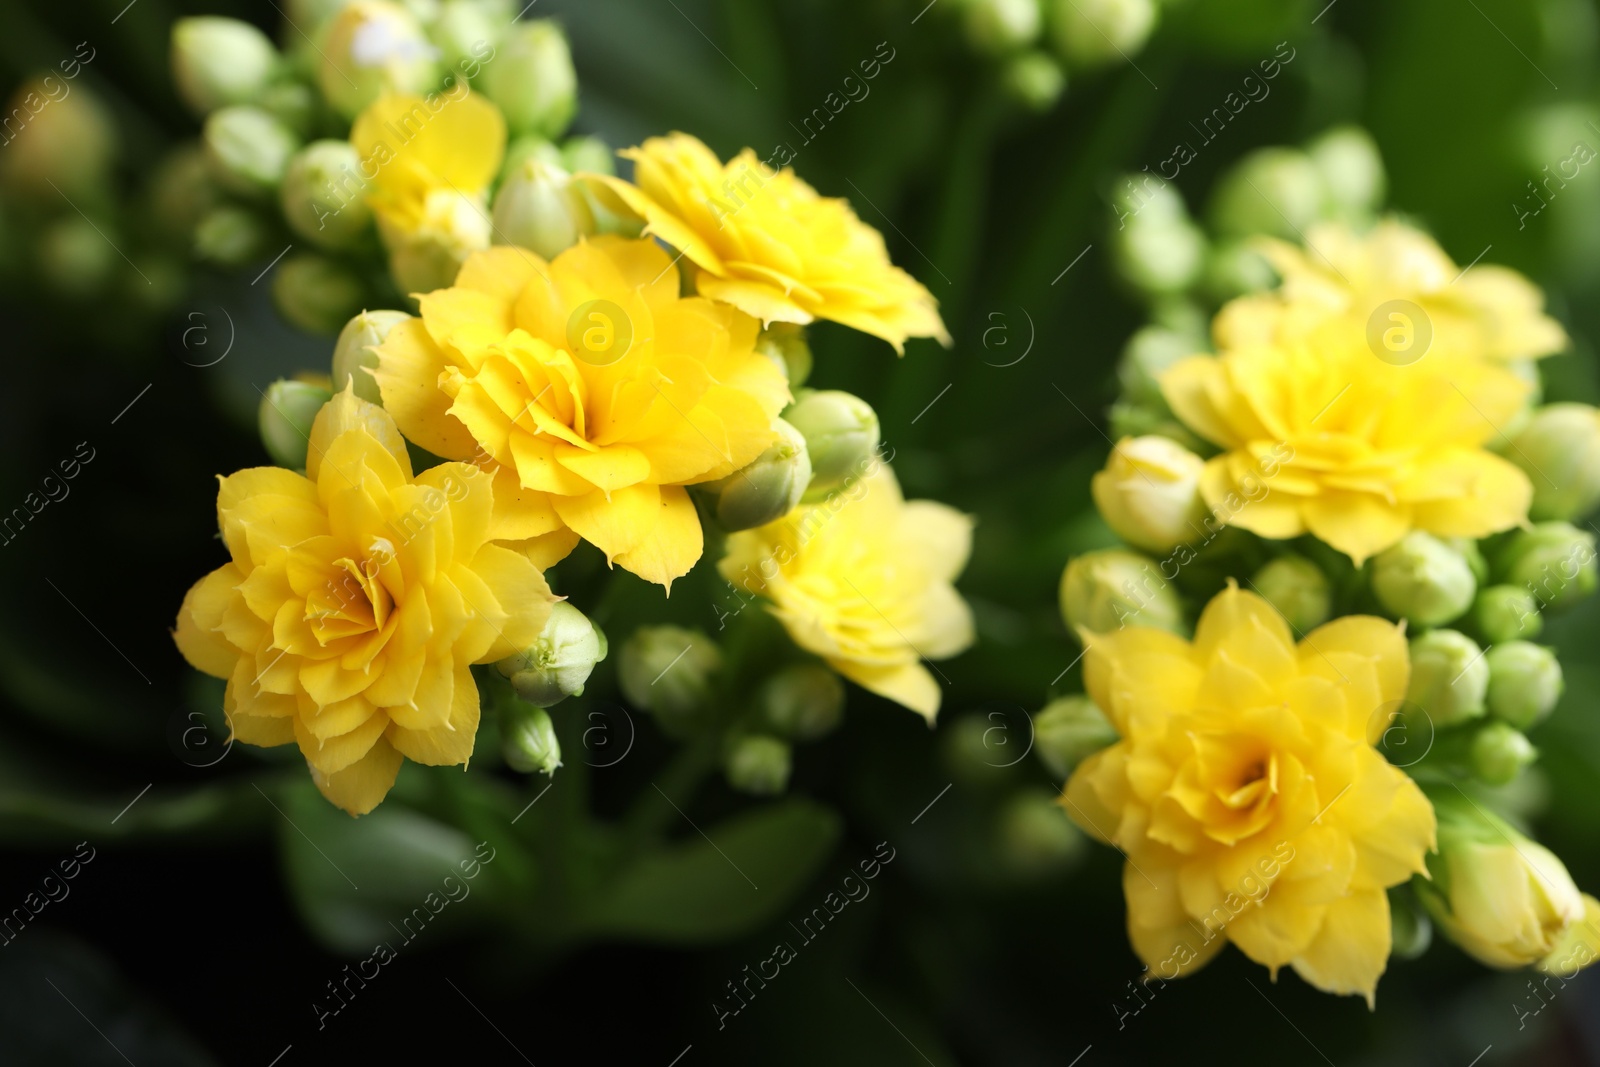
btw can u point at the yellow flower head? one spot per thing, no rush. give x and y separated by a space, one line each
595 387
1351 448
863 580
1246 792
1332 288
355 598
766 243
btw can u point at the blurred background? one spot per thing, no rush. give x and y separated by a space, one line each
213 923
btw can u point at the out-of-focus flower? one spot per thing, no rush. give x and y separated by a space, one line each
1559 450
805 701
217 62
1579 946
758 765
539 207
1247 794
1298 589
324 195
1092 33
287 413
1423 580
355 352
841 435
371 48
1149 493
354 601
670 672
532 79
1525 682
1112 588
1449 678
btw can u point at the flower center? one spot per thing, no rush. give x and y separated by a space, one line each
353 601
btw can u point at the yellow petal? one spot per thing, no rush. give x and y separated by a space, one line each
346 412
198 633
1350 952
910 684
408 372
451 743
671 545
361 786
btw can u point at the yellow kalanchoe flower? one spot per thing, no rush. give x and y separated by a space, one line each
595 387
864 580
766 243
1246 792
355 599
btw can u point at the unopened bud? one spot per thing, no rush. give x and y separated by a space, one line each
66 143
1298 589
532 147
669 671
1449 678
1423 580
316 293
454 225
768 487
464 31
1035 836
1112 588
1276 191
324 195
354 355
1034 80
842 436
230 236
540 208
559 661
1347 159
1157 256
758 765
1499 752
219 62
995 27
803 702
528 740
785 344
1092 33
75 258
1068 731
1149 493
248 149
288 408
1555 561
532 79
1235 268
1525 682
1506 613
294 104
373 47
588 155
1559 450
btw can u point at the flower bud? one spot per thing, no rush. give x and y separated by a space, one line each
1499 752
560 659
1469 550
528 740
372 47
1069 730
532 147
353 354
1091 33
768 487
1157 256
1035 836
1276 191
1146 196
981 751
316 293
464 31
285 416
532 80
230 236
1112 588
1579 946
69 144
1525 683
1423 580
454 225
294 104
1506 613
540 208
588 155
1148 354
1149 493
758 765
75 258
841 433
1034 80
1449 678
219 62
248 150
995 27
1559 450
324 195
668 670
1347 159
1298 589
803 702
1555 561
1506 900
1235 268
785 344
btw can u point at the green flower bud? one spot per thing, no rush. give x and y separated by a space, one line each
75 259
324 195
1410 931
785 344
284 419
1555 561
464 31
1139 420
532 80
1145 196
372 47
768 487
1499 752
218 62
588 155
1156 256
540 208
1035 836
1525 683
1298 589
1068 731
1506 613
668 671
1034 80
353 353
1147 355
531 147
248 149
758 765
1559 450
1236 268
67 144
1092 33
1449 678
841 433
1149 493
181 191
230 236
1276 191
315 293
528 740
1473 555
1112 588
1347 159
560 660
803 702
995 27
294 104
1423 580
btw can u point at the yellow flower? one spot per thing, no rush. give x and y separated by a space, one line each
1332 288
863 580
1353 449
1246 792
766 243
355 598
598 391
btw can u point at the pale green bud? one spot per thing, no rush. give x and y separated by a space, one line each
218 62
1034 80
1106 590
1150 420
287 410
1555 561
1347 159
768 487
1158 256
372 47
181 191
1149 493
294 104
1423 580
1505 613
540 208
1298 589
75 259
1449 678
1473 555
1276 191
532 147
1149 197
1236 268
1499 752
588 155
248 149
559 661
1147 355
1525 683
67 143
532 79
354 355
842 437
528 740
315 293
230 236
785 344
464 31
1068 731
1035 836
668 671
758 765
995 27
1559 450
1091 33
324 195
803 702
